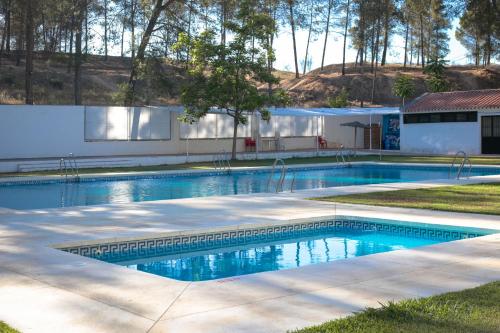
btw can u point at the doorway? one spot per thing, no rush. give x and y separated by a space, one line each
490 134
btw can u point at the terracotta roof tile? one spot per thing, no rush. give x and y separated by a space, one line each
456 100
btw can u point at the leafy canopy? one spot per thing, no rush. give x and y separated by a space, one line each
226 76
404 87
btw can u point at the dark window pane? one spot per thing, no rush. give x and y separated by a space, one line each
496 127
486 127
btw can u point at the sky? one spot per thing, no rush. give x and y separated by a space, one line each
285 59
284 50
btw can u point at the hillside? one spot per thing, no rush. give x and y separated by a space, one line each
53 84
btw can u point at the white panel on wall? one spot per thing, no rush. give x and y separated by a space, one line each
285 125
95 123
267 128
188 131
245 131
159 124
303 126
117 123
207 127
139 124
224 126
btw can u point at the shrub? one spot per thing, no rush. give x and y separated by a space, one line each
341 100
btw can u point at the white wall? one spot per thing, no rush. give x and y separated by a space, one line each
45 131
52 131
441 138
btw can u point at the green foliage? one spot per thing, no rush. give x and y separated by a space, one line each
436 82
435 66
225 76
472 310
404 87
341 100
123 92
4 328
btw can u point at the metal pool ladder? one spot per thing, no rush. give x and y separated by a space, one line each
221 161
68 168
279 163
344 156
464 159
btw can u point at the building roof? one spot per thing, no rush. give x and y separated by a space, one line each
471 100
319 112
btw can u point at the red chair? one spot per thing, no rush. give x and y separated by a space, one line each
322 142
250 144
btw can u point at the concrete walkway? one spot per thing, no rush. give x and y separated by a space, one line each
47 290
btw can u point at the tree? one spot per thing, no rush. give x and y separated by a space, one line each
347 12
291 4
404 87
435 69
159 6
29 51
224 76
341 100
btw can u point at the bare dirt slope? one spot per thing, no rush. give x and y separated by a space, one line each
317 86
53 82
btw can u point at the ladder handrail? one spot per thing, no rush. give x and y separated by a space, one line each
464 159
283 173
71 165
221 161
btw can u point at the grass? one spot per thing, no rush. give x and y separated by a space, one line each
478 198
253 163
4 328
471 311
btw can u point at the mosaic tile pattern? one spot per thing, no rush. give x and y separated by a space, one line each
117 251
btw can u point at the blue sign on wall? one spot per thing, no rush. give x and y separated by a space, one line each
390 133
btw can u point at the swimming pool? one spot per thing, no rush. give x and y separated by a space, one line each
221 254
124 189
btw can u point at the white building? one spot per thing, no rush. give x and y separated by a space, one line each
444 123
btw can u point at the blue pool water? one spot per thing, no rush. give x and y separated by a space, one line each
132 189
292 253
224 254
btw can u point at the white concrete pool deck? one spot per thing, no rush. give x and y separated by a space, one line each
47 290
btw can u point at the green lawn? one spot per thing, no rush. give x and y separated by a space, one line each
268 162
478 198
467 311
4 328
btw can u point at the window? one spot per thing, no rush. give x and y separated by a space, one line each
440 117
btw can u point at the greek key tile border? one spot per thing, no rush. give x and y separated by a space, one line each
178 244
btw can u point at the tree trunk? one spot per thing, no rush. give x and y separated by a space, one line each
132 28
345 35
386 34
223 17
158 8
105 30
308 41
327 29
78 52
406 42
235 135
292 24
29 52
72 27
86 29
7 24
376 57
422 47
